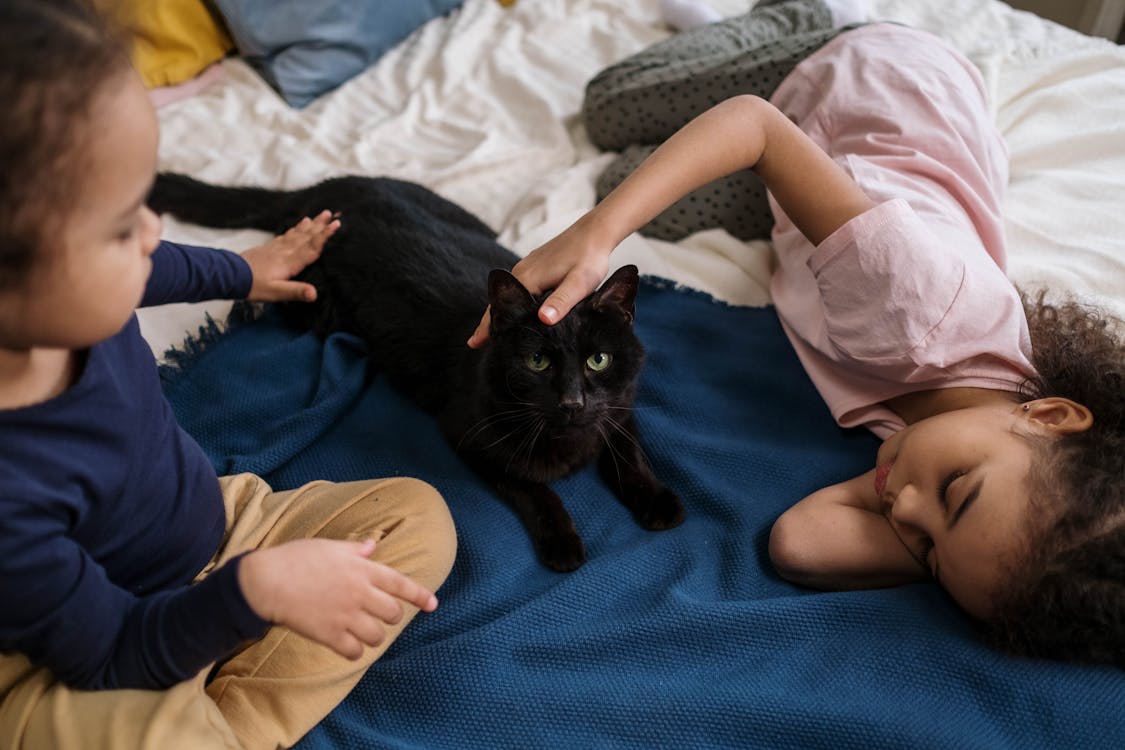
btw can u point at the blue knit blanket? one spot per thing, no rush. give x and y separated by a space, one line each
677 639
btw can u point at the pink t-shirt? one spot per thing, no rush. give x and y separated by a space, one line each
912 294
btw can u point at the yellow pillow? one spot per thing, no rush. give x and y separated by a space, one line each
173 40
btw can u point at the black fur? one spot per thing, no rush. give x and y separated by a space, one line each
411 273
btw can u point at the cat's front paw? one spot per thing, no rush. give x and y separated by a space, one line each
563 552
663 510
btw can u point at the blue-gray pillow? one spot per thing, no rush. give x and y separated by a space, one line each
307 47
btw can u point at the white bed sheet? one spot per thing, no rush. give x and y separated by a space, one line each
482 106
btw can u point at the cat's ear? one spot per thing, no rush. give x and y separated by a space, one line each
508 298
618 293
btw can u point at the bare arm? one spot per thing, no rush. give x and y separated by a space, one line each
838 538
739 133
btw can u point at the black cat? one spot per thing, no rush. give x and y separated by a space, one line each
407 272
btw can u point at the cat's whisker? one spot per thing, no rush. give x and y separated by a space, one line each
612 453
529 441
508 434
516 451
615 452
620 428
523 441
525 404
631 408
499 440
490 421
640 450
493 418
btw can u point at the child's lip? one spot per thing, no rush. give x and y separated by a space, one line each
881 473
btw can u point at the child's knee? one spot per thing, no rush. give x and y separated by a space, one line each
429 526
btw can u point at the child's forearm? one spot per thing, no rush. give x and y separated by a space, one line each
860 552
744 132
836 538
726 138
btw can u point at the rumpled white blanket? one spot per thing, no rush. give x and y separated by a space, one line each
483 107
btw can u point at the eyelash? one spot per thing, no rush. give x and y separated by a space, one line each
927 544
943 488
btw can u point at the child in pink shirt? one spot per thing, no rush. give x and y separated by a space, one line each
1003 464
910 295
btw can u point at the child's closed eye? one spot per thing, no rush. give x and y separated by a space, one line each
943 488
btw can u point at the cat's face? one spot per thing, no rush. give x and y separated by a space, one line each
577 375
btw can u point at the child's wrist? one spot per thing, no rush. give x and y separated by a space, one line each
599 233
250 580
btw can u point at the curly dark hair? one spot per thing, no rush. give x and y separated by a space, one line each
1067 598
55 58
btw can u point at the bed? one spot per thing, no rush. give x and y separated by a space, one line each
685 638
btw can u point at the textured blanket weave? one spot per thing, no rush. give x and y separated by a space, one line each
676 639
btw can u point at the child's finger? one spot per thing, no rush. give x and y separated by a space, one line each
399 586
382 606
346 645
572 289
291 291
480 335
314 225
324 222
368 630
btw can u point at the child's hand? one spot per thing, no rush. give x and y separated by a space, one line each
329 591
283 257
572 264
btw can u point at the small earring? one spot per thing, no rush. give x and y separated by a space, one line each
1027 407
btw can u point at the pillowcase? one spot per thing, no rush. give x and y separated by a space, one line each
304 49
173 40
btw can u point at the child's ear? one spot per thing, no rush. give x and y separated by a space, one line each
619 293
1059 415
508 299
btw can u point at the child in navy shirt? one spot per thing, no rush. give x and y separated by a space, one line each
144 601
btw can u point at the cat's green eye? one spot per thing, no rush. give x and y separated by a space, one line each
598 362
537 361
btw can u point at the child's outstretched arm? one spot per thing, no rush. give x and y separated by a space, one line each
839 538
276 262
739 133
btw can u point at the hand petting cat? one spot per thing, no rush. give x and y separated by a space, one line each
276 262
572 264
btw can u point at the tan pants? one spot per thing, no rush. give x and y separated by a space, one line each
275 690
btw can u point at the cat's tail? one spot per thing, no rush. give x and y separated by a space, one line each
222 207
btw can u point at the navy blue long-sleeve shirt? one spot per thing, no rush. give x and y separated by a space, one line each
108 510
